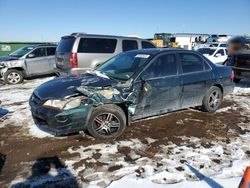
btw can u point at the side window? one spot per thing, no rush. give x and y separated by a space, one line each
97 45
164 65
191 63
145 44
220 52
40 52
51 51
129 45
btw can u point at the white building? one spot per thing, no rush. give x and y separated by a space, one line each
188 40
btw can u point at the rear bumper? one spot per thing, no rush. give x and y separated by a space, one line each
74 71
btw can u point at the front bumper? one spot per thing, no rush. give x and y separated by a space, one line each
60 122
2 71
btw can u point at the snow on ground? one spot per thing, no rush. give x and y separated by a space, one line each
15 98
189 164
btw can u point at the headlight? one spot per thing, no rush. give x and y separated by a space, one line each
63 104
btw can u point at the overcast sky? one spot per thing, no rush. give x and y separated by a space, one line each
48 20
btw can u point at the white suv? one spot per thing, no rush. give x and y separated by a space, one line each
216 55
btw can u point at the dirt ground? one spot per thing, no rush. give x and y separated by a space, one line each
19 150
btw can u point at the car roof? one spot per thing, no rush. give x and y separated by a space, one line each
154 51
100 35
213 48
42 45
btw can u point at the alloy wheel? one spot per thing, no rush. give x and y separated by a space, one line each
214 99
106 124
13 77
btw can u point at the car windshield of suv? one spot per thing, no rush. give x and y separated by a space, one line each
22 51
123 66
207 51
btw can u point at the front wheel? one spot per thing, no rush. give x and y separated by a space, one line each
13 76
107 121
212 99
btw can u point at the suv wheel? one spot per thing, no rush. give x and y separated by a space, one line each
212 99
107 121
13 76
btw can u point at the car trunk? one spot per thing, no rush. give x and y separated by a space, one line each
63 53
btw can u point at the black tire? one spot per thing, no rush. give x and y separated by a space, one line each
102 118
13 76
237 80
212 99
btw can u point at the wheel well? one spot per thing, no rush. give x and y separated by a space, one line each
17 68
124 107
219 86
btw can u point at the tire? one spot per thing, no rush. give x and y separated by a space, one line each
102 118
237 80
212 99
13 76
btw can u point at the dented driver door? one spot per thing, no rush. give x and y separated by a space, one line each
160 87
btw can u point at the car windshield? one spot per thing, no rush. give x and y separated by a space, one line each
206 51
124 65
22 51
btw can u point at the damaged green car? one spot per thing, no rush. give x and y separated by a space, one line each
130 86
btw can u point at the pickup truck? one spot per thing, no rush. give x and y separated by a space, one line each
240 63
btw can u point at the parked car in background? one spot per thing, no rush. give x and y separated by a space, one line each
240 63
210 44
217 44
27 61
216 55
130 86
79 52
217 38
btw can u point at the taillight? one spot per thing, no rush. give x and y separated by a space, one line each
232 75
73 60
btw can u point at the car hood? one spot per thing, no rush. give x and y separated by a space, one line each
8 58
67 86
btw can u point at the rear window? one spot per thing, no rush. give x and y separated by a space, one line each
145 44
129 45
66 44
97 45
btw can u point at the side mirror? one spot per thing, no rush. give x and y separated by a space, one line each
31 55
218 55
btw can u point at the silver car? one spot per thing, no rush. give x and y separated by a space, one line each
79 52
27 61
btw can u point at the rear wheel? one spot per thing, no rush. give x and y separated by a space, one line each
13 76
107 121
212 99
